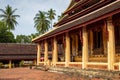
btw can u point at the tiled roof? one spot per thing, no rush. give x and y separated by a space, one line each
13 48
17 57
17 51
82 20
95 4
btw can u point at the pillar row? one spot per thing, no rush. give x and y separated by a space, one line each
55 52
10 64
67 50
46 53
111 44
85 48
38 53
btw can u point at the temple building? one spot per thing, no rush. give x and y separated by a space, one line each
87 37
11 54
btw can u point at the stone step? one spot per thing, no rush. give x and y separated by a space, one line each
43 68
86 72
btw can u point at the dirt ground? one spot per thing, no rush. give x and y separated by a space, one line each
33 74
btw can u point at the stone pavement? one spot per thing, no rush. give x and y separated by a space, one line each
88 73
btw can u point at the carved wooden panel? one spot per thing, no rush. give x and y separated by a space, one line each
116 67
60 65
98 51
117 50
78 58
102 67
98 58
76 65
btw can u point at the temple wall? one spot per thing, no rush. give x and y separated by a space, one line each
102 56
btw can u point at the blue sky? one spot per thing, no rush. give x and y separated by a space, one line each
27 10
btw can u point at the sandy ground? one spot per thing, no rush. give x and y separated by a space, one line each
33 74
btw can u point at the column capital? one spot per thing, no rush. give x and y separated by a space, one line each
84 28
67 34
109 19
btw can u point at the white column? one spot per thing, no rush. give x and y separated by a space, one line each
10 64
55 52
111 44
67 50
85 48
38 53
46 53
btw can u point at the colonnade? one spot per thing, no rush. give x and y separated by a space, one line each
110 48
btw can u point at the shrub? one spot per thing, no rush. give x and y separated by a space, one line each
1 64
21 64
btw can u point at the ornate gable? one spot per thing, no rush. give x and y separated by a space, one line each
79 8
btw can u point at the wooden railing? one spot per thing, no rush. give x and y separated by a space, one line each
98 55
117 49
78 58
117 55
98 51
98 58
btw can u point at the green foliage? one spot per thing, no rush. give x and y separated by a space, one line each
42 24
8 23
43 20
1 64
5 35
21 64
60 17
32 36
25 39
8 17
51 15
13 65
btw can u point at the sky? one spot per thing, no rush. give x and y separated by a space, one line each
27 9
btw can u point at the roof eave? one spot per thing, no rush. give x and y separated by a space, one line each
104 10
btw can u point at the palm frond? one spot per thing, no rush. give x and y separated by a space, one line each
9 17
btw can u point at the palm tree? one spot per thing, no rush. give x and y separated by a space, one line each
51 15
42 24
5 35
60 16
9 18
